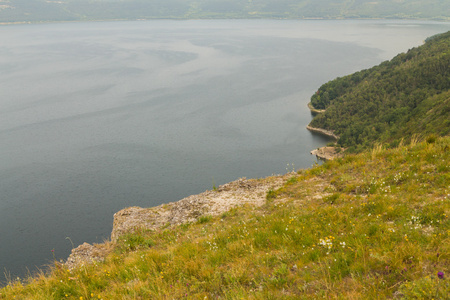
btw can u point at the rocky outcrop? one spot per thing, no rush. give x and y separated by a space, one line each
208 203
87 254
327 153
189 209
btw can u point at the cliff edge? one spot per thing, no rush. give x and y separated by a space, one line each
209 203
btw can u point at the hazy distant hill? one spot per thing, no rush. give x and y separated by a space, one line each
75 10
399 98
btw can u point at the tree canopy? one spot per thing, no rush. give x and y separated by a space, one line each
399 98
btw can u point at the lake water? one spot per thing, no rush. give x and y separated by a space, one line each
95 117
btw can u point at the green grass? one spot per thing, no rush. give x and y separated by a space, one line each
368 226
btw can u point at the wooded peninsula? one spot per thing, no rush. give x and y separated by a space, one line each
394 101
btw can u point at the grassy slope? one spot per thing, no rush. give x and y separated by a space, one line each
408 95
373 225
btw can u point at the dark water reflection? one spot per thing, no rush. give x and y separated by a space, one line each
96 117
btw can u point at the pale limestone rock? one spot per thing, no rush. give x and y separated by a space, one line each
327 153
189 209
212 203
87 254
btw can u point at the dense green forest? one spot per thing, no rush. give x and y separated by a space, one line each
396 99
76 10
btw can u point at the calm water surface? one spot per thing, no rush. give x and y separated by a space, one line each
95 117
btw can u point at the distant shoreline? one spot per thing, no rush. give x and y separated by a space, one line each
328 133
322 131
190 19
326 152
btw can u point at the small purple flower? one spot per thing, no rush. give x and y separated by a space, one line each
441 275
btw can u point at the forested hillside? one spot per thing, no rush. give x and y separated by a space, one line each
76 10
396 99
